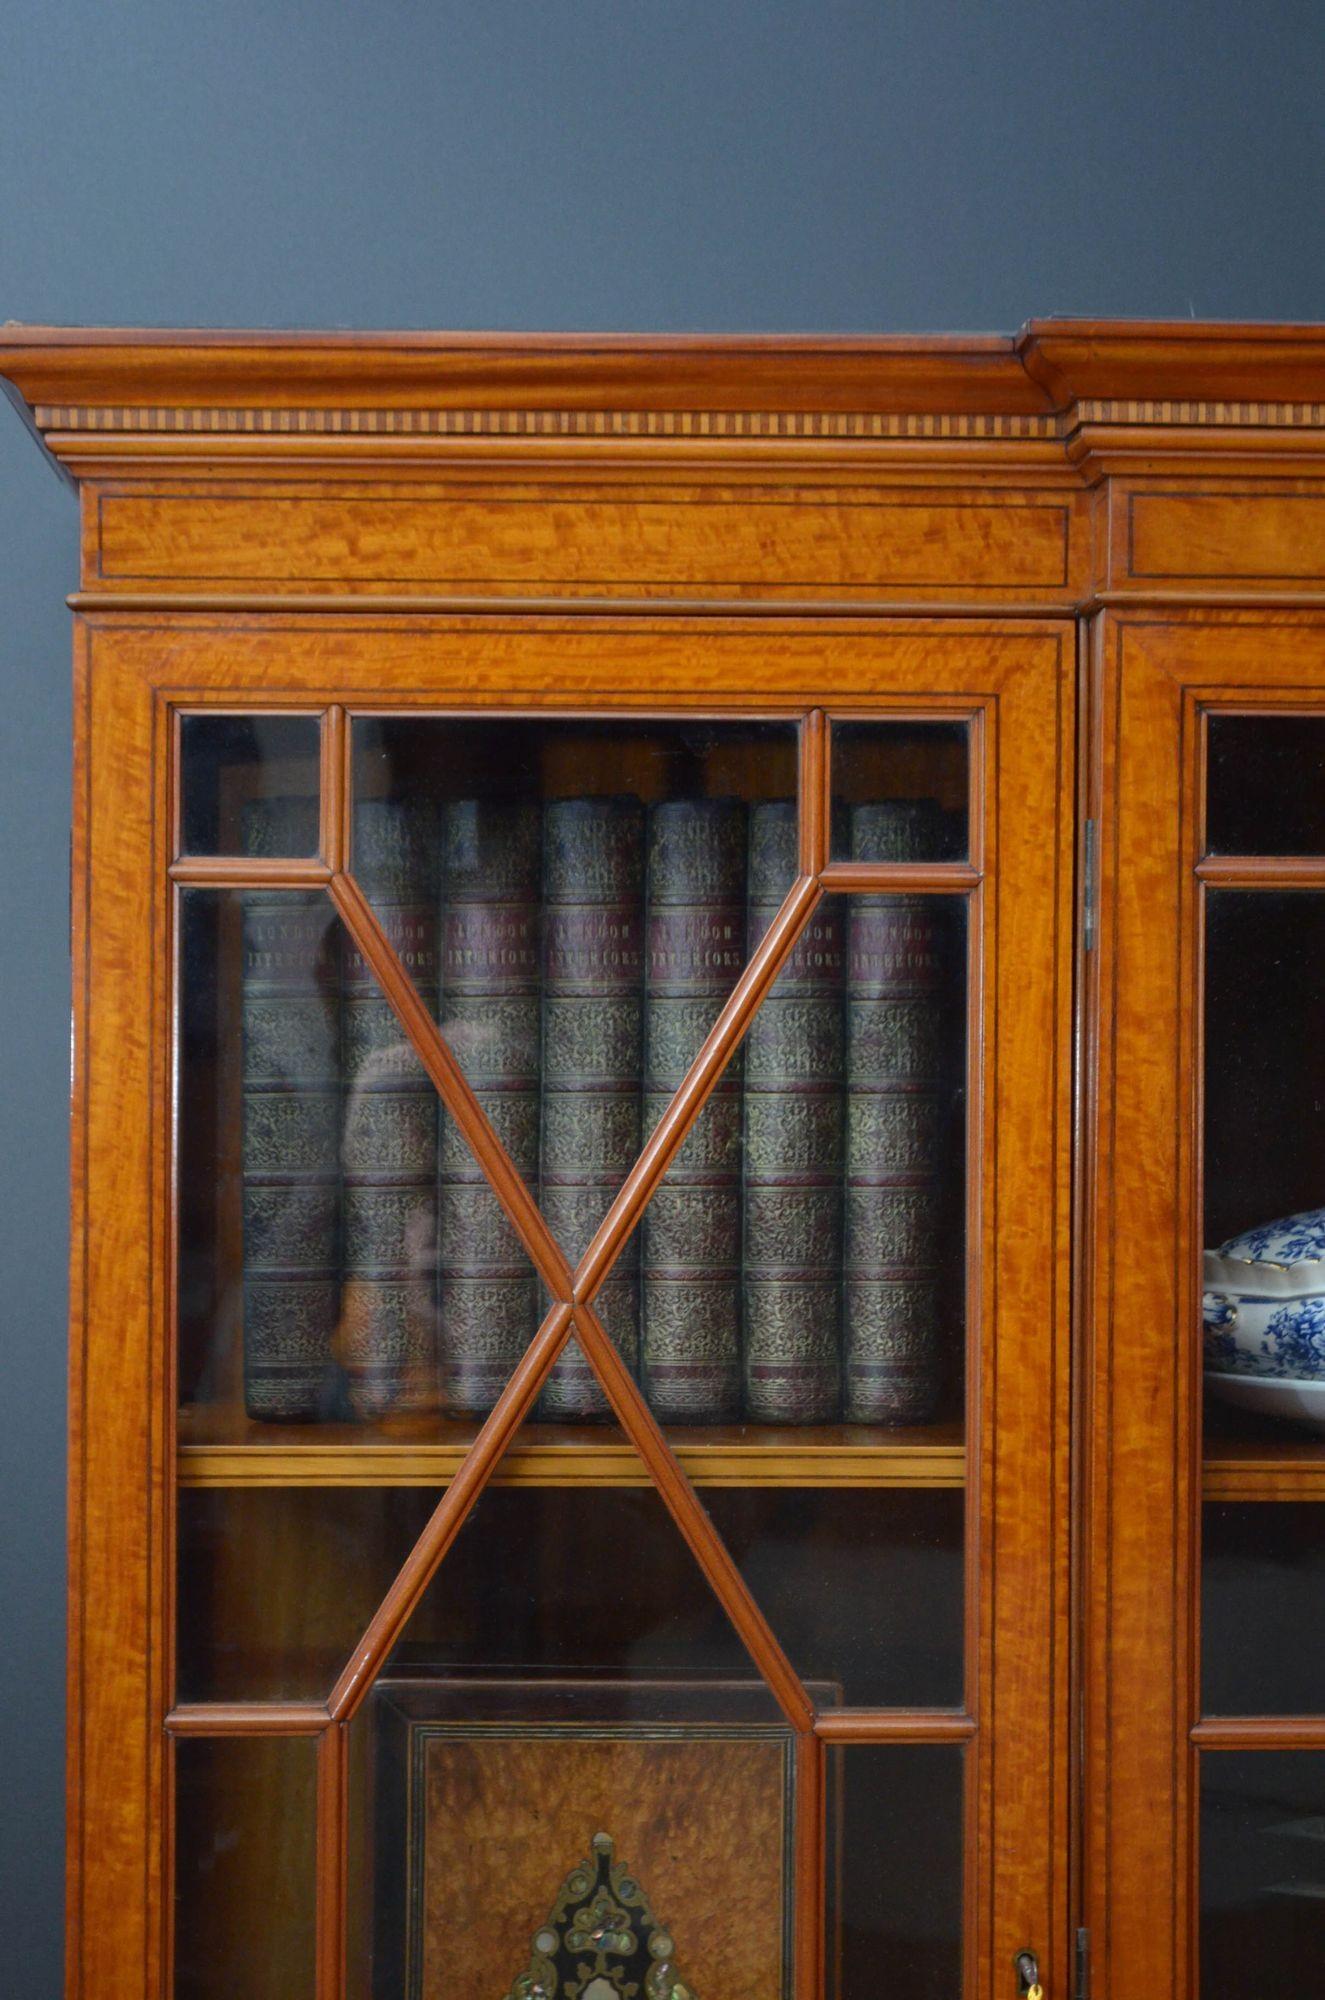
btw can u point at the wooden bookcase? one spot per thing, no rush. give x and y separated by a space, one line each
974 1645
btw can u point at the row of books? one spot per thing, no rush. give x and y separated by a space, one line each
788 1268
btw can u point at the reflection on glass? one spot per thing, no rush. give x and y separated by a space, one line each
249 785
905 996
244 1868
895 1896
592 1056
290 1113
1262 1872
863 1586
691 1244
592 897
901 791
572 1580
794 1134
393 1133
810 1231
275 1585
341 1258
1263 1609
1265 784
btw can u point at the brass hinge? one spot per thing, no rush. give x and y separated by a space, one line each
1082 1991
1088 890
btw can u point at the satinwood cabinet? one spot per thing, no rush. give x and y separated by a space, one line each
679 946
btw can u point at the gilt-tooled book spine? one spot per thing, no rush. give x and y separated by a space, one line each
593 998
794 1127
291 1129
389 1126
489 1012
896 1070
691 1251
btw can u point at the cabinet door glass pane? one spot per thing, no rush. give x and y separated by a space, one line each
901 791
574 902
570 1580
585 884
244 1868
316 1167
249 785
275 1584
1266 784
314 1341
1264 1294
813 1221
895 1871
809 1237
1262 1873
1263 1608
863 1586
1265 1066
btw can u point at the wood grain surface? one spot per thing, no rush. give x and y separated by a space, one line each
1079 541
702 1825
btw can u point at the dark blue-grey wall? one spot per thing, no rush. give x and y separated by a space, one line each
737 164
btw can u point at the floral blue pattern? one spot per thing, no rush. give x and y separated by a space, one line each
1223 1356
1294 1239
1265 1312
1294 1340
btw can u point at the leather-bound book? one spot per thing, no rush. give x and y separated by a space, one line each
488 1010
387 1343
593 997
291 1128
794 1124
691 1251
896 1216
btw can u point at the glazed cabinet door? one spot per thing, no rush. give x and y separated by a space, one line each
574 1282
1206 1632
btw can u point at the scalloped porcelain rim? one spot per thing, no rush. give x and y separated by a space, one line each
1258 1278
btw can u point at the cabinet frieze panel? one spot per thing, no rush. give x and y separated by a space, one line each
706 540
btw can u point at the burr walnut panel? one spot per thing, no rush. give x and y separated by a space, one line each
499 1815
700 1824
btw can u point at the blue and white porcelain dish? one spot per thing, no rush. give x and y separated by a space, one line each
1264 1301
1271 1396
1293 1240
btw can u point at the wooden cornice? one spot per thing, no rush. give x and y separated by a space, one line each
1080 362
678 374
1078 395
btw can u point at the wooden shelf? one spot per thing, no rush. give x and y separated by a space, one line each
1264 1468
219 1446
